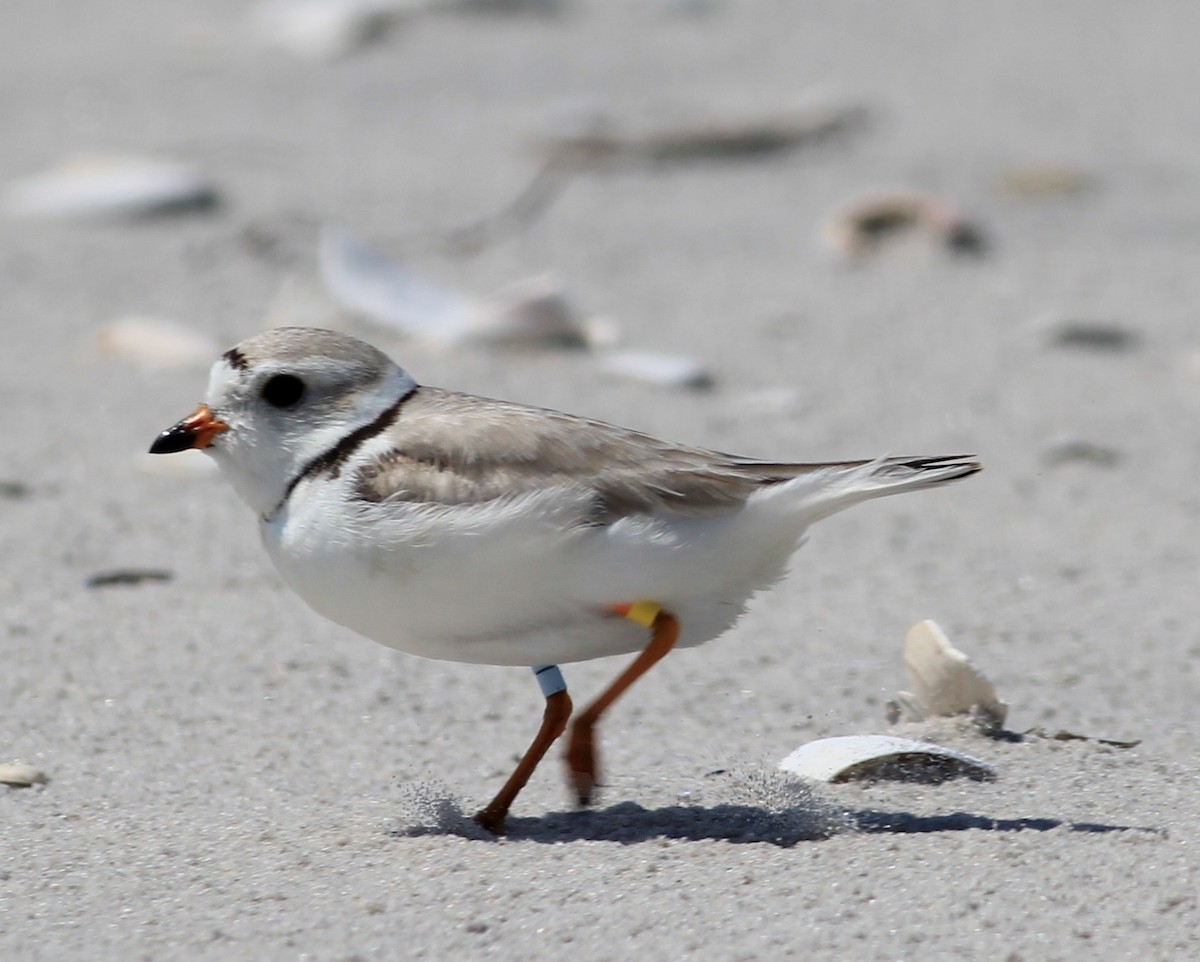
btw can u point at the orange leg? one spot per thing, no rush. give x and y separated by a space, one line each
582 769
554 721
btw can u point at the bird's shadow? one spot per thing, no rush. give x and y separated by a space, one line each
629 823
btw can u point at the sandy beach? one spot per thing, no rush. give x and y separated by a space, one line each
227 776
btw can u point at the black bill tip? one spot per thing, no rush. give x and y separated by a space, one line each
174 439
197 430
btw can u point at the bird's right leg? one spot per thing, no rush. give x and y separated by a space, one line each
554 722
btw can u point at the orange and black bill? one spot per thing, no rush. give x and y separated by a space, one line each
197 430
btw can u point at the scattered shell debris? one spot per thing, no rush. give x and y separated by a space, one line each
1036 182
944 683
868 225
110 185
183 465
846 758
1080 451
127 576
661 370
326 29
536 312
20 775
1092 336
156 342
730 139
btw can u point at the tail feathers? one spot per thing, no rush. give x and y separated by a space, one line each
893 475
837 485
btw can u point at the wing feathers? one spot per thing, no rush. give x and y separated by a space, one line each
450 448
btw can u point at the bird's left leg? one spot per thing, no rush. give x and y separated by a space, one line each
582 769
554 721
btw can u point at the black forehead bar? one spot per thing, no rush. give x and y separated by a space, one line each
236 359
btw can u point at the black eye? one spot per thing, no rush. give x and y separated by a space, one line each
282 390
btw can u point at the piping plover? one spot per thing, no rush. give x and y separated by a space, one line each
468 529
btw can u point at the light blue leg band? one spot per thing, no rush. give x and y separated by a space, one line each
550 679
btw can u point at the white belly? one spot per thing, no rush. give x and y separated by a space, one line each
503 583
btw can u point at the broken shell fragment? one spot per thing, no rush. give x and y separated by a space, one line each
156 343
367 283
535 312
866 226
531 312
881 757
19 775
324 29
944 682
661 370
720 139
110 186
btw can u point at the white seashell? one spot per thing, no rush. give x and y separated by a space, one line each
944 682
156 343
109 186
532 312
367 283
850 757
20 775
324 29
185 465
663 370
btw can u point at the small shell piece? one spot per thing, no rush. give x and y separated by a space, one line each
104 185
868 757
19 775
662 370
532 312
944 682
868 225
324 29
156 343
603 141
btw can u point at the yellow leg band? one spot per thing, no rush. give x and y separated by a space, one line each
643 613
